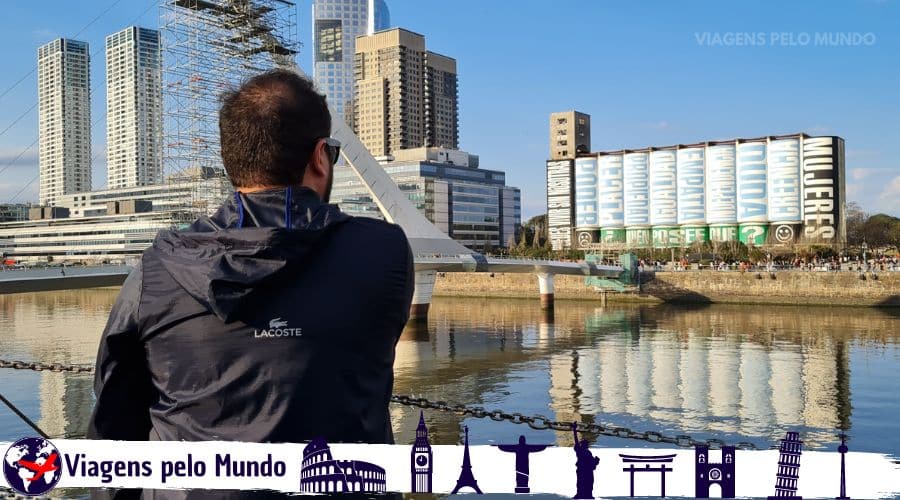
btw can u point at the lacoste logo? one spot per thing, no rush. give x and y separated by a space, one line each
277 328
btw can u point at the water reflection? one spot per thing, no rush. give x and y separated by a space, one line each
51 327
731 372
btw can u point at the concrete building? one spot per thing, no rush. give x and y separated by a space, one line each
406 97
13 212
64 119
441 102
472 205
133 108
570 133
336 24
200 196
759 191
86 239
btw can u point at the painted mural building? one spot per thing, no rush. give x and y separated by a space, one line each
776 190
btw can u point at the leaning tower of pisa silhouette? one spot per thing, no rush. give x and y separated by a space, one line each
788 468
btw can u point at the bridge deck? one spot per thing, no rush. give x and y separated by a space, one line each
480 263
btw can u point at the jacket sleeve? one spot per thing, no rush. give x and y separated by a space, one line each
410 282
122 382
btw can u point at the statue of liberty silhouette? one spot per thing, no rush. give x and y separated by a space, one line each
585 463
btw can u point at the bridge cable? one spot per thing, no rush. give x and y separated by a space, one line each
17 120
21 153
82 30
29 183
150 5
22 416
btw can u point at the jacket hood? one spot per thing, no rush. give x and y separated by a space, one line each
249 243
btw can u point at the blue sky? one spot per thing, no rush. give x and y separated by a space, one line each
649 73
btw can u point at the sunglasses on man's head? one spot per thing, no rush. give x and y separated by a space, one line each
333 146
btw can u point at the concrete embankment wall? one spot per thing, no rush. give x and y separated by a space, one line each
788 287
70 278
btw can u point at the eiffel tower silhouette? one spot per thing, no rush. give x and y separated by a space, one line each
465 475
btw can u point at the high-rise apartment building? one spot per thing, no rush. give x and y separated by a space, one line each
64 119
406 97
441 102
336 24
570 133
133 108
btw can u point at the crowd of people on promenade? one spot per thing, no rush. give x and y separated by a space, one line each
846 263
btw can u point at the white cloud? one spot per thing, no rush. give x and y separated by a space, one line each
858 174
852 154
44 34
25 191
888 201
658 125
818 130
28 157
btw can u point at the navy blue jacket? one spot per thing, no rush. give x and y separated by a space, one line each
274 320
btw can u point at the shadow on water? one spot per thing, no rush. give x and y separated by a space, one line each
891 305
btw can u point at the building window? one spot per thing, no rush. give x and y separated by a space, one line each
329 40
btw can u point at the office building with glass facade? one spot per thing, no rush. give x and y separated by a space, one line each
336 24
472 205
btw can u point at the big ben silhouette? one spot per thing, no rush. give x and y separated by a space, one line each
420 463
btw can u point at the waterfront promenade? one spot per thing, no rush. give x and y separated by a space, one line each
788 287
783 287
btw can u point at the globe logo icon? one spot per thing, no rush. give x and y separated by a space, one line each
32 466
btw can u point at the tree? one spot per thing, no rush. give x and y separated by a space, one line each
881 230
535 230
733 251
856 219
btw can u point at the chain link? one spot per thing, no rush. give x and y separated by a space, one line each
541 422
9 493
538 422
39 367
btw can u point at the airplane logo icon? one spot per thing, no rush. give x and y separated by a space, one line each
40 469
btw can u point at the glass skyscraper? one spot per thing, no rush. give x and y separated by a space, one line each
336 24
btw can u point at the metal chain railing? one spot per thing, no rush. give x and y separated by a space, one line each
537 422
9 493
540 422
39 367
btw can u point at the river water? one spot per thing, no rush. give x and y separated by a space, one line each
737 373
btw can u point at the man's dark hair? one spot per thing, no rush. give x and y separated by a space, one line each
268 129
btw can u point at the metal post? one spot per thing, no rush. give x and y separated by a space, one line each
545 284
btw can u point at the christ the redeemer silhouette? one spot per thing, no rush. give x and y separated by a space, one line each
522 450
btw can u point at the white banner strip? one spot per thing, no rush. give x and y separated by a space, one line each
246 466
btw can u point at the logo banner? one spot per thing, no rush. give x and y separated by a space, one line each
512 465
